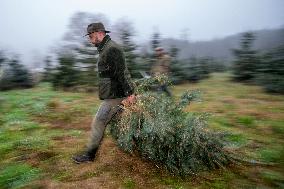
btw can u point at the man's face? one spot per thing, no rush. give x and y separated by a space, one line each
94 38
159 52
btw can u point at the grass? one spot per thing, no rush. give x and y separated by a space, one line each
129 183
237 139
274 178
171 182
247 121
272 154
41 129
25 139
17 175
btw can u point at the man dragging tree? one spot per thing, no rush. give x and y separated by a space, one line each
114 86
161 67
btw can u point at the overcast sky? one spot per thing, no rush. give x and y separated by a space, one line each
30 27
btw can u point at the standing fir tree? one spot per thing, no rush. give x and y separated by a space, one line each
126 33
86 57
66 74
2 60
156 41
15 76
175 66
47 74
246 59
174 51
270 71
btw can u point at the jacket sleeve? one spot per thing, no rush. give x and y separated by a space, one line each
115 58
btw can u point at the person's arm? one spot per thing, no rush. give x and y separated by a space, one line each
116 60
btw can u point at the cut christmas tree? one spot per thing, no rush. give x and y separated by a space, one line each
157 128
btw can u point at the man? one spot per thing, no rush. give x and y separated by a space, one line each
114 86
161 67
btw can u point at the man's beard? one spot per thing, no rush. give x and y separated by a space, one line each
97 42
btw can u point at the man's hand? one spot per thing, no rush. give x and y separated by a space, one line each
129 100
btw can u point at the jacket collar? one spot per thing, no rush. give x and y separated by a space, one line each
103 43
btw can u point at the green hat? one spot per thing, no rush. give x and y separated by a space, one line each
95 27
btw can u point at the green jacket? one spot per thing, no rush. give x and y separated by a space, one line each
114 77
162 65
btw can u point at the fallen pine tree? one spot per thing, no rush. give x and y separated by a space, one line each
158 129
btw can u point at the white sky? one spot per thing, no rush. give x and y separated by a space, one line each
30 27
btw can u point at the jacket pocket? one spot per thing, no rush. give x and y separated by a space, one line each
104 88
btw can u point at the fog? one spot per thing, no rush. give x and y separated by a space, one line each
31 27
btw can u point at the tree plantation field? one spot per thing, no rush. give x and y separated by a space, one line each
40 130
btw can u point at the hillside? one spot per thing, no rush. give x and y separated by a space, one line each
221 48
